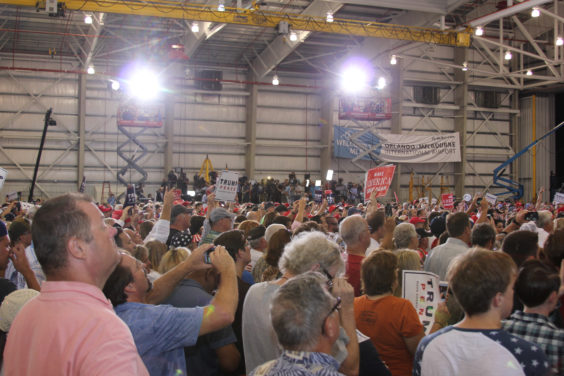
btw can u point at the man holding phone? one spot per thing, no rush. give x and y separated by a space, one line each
161 332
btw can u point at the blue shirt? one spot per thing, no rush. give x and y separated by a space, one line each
299 363
160 333
201 358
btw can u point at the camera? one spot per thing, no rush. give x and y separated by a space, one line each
531 216
207 259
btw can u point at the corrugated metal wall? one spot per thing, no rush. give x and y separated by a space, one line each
208 123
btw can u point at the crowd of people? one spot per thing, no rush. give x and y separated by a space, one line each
279 287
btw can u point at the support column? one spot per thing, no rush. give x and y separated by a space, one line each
81 128
169 133
460 119
327 121
514 129
251 127
396 89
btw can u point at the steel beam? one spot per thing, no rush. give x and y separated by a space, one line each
263 18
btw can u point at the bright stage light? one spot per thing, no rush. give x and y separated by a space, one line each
329 175
354 79
144 84
381 83
318 183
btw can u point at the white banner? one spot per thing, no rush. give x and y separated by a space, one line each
422 290
226 186
419 149
438 148
3 174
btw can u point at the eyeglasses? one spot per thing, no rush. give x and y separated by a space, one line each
336 307
329 279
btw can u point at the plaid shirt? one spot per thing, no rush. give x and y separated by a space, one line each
538 329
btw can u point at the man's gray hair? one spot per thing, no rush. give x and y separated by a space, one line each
308 249
299 309
403 233
545 217
351 227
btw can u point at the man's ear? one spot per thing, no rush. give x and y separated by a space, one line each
497 300
331 329
76 247
130 288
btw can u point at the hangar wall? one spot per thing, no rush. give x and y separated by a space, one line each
288 131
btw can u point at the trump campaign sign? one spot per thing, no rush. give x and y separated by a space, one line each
378 179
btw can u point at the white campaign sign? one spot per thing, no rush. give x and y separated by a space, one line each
491 198
226 186
422 290
3 174
559 198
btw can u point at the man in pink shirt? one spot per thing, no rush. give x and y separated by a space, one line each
71 328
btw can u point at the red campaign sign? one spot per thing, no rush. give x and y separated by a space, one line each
177 194
448 200
378 179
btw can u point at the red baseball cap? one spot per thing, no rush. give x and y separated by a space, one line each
416 220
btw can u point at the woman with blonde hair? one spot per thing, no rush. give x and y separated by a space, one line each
156 251
172 258
407 260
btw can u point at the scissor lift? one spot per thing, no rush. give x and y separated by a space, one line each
132 122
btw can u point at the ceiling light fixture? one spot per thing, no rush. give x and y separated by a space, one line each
479 31
559 41
381 83
529 73
90 70
393 60
329 17
195 27
275 80
535 13
293 36
221 6
508 55
88 19
465 67
115 85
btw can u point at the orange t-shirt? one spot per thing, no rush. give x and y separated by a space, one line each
387 321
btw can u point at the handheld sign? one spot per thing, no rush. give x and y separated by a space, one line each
491 198
422 290
559 198
3 174
378 179
226 186
448 200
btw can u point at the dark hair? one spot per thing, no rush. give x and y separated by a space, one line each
376 220
308 227
536 281
456 224
276 245
554 248
379 272
283 220
521 245
482 234
117 239
145 229
196 222
58 220
232 240
477 276
269 218
114 289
